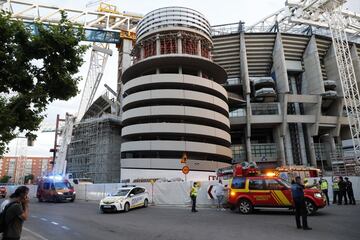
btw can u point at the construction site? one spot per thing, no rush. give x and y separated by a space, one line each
282 92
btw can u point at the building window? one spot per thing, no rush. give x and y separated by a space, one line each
239 153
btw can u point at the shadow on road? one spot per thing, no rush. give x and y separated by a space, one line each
282 212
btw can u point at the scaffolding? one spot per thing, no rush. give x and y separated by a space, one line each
94 151
168 44
178 42
343 165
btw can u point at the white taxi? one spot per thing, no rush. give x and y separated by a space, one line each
126 198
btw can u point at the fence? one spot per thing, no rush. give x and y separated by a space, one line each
166 193
162 193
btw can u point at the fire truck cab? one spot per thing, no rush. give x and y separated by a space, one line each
249 190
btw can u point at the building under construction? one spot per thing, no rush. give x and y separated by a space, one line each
94 151
284 101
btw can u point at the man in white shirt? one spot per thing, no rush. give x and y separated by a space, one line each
219 193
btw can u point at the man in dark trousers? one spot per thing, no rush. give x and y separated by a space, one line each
297 190
350 192
193 195
342 188
324 188
336 191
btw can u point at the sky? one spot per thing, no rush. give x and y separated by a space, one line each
217 12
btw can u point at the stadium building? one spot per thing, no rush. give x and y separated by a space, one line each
224 95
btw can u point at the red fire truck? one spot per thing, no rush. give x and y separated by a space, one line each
249 189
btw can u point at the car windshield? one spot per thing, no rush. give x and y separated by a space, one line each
286 183
62 185
121 192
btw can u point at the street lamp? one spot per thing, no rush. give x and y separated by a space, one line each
321 160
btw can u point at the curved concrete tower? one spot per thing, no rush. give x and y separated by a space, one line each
173 102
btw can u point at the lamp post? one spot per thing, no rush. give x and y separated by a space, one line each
321 160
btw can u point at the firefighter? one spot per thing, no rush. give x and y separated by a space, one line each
342 188
193 195
324 188
336 190
297 190
306 183
350 192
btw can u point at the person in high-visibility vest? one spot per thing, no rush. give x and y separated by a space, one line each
336 190
324 188
308 185
193 194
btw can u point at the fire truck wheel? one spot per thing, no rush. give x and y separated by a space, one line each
245 206
310 207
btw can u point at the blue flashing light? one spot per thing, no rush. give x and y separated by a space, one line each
55 177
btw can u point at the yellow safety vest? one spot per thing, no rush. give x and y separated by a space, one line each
324 185
194 191
335 186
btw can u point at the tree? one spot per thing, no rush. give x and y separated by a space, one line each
37 67
5 179
28 178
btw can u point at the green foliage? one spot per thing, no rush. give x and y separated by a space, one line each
35 70
5 179
28 177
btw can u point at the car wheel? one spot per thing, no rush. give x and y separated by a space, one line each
146 203
126 207
310 207
245 206
72 200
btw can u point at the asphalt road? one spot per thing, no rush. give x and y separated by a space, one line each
81 220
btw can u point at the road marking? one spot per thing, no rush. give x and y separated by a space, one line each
55 223
65 227
36 234
44 219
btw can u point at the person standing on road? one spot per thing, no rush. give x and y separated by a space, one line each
15 213
324 186
342 188
219 193
336 191
316 184
350 192
193 194
297 190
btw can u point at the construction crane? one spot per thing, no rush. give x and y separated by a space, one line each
103 27
340 26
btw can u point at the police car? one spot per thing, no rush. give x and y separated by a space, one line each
126 198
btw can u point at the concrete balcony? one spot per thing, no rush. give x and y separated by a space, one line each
265 108
233 82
